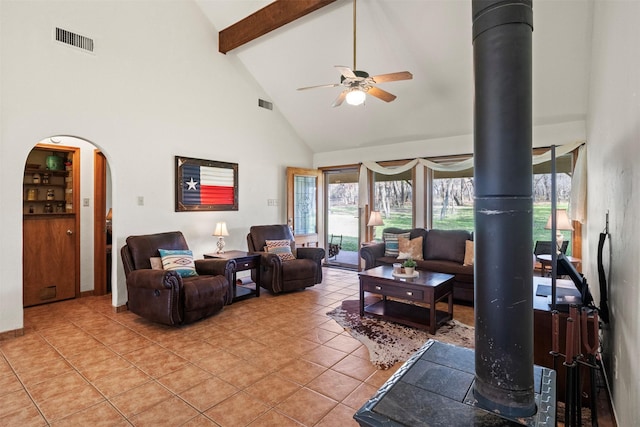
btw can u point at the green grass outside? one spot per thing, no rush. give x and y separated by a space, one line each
460 218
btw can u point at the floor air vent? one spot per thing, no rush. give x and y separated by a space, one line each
73 39
265 104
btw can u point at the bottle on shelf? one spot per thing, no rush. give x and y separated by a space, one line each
32 194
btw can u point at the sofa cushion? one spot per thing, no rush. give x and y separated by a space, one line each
446 245
462 272
391 246
469 255
156 263
410 248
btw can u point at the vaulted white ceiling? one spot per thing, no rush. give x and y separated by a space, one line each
429 38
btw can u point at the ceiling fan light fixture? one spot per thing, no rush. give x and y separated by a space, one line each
356 97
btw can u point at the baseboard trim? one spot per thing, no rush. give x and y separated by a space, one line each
121 308
7 335
608 384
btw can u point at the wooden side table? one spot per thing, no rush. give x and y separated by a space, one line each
244 261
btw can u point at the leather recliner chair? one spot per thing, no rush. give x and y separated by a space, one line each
166 297
281 276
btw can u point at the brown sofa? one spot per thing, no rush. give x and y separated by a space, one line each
442 251
165 296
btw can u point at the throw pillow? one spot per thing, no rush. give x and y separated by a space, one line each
391 247
282 248
468 252
410 248
156 263
180 261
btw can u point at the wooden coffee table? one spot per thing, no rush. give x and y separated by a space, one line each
429 287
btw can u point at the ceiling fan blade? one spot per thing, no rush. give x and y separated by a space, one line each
381 94
314 87
392 77
346 71
340 99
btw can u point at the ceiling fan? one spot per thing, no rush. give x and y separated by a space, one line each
358 83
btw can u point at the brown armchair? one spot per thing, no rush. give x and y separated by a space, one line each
281 276
166 297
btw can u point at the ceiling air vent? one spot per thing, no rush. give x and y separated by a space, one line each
265 104
73 39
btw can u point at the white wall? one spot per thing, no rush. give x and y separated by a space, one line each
613 178
543 136
156 87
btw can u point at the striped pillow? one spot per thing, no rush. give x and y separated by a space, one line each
391 247
180 261
282 248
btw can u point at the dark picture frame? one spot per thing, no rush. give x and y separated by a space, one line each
205 185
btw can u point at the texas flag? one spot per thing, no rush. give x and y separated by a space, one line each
207 185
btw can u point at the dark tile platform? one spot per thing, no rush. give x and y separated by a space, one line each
435 388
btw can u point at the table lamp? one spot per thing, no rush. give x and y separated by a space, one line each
562 223
374 219
221 231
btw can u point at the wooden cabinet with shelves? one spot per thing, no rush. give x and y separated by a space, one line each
48 190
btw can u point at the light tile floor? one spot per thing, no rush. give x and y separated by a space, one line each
267 361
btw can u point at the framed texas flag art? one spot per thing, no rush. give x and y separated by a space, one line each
206 185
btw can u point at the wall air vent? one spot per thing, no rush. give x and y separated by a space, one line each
73 39
265 104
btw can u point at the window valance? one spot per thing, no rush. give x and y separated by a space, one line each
578 187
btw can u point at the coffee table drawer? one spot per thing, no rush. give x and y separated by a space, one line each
395 291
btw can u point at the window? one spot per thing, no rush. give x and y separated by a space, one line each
452 197
393 197
452 200
542 196
305 204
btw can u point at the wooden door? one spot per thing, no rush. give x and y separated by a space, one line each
49 263
304 191
102 245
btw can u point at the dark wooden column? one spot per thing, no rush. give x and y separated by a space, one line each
502 50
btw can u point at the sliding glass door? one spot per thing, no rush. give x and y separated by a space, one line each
342 217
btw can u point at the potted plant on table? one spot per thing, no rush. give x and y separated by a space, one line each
409 266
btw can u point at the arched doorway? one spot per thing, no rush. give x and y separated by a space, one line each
64 241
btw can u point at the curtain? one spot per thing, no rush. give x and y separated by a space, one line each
579 175
578 203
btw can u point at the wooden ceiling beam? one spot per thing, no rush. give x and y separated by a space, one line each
270 17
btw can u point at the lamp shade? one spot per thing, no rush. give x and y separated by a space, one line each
221 229
562 221
355 97
375 219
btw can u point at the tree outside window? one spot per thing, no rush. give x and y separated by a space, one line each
393 197
453 198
